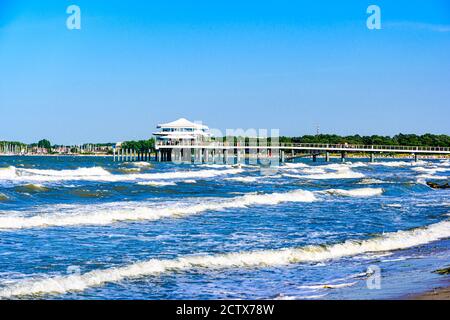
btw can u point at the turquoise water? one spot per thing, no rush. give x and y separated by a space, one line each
89 228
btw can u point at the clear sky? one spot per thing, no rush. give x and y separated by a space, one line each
233 64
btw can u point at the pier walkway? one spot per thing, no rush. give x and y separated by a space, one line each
205 150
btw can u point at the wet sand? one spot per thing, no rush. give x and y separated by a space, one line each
442 293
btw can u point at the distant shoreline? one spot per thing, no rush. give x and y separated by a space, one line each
352 156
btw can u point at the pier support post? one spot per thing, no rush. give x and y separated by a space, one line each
327 157
225 156
343 156
372 157
282 156
416 157
314 157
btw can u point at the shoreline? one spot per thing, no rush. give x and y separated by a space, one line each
439 293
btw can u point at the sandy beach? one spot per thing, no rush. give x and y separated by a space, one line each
442 293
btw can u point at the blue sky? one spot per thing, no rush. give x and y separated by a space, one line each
233 64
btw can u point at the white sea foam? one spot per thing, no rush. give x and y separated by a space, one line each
445 163
328 286
362 192
394 205
157 183
141 164
100 174
251 259
295 165
111 213
424 177
192 181
341 173
396 164
307 297
8 173
372 181
430 170
243 179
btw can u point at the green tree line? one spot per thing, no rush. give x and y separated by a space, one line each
140 145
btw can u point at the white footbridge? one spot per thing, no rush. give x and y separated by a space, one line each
234 152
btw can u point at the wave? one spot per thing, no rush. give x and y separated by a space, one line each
250 259
128 170
393 205
372 181
3 197
191 181
445 163
7 173
100 174
342 173
307 297
32 187
295 165
430 170
396 164
362 192
157 183
141 164
423 178
243 179
109 214
328 286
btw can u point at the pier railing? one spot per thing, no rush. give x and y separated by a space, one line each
303 146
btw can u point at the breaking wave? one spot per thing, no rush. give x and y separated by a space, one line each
397 164
341 173
363 192
3 197
32 187
430 170
243 179
99 174
251 259
103 215
328 286
157 183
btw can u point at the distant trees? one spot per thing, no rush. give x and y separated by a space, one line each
44 144
140 145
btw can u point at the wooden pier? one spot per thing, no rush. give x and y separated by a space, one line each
129 155
223 152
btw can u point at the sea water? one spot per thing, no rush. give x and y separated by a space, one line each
91 228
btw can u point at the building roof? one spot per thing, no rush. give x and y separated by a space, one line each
182 123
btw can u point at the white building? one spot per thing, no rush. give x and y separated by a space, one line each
181 129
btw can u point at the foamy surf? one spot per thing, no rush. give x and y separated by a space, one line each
362 192
243 179
397 164
341 173
157 183
252 259
328 286
98 215
14 174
